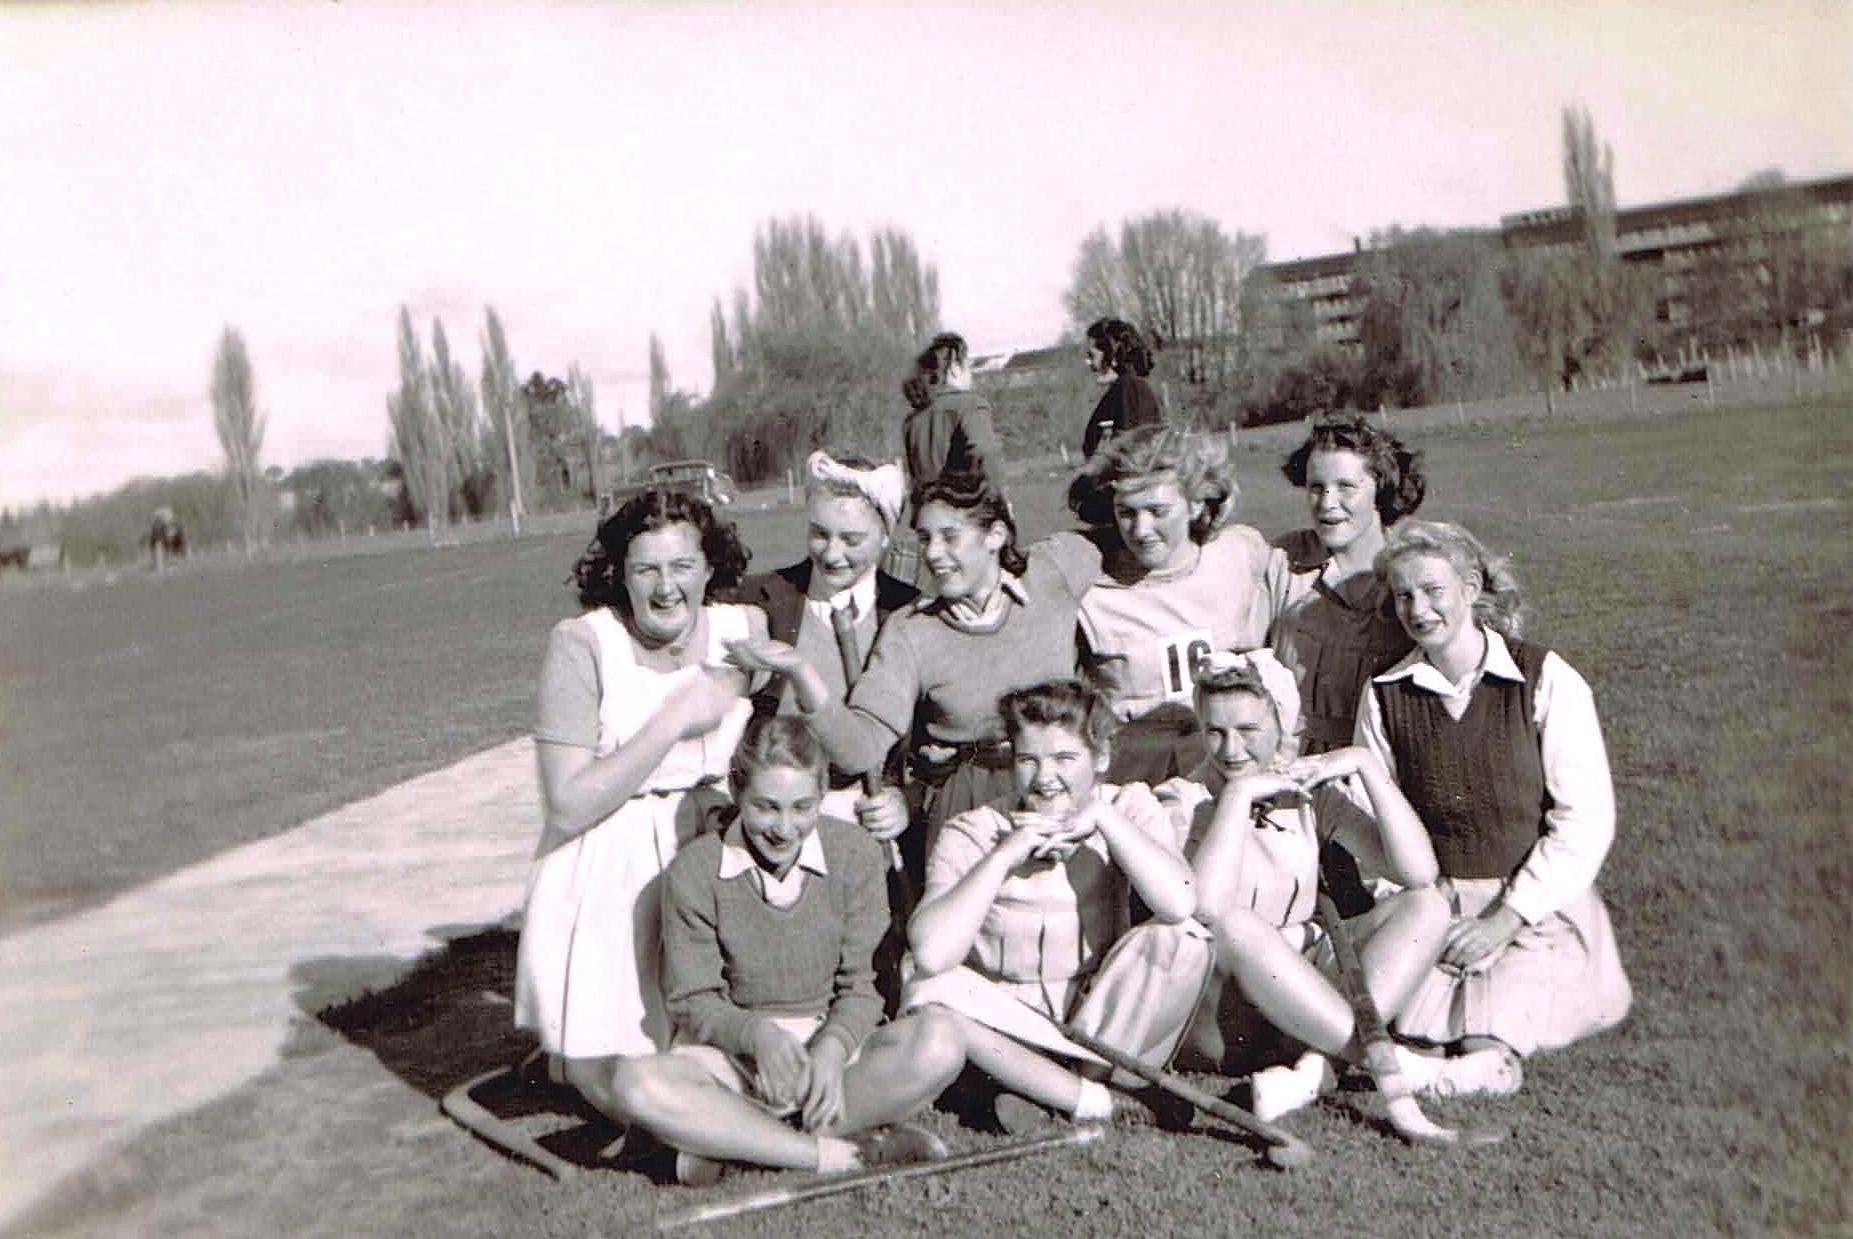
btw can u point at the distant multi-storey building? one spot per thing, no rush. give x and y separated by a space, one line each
1675 240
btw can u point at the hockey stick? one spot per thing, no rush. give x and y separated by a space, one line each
814 1189
1405 1112
1285 1150
500 1134
845 629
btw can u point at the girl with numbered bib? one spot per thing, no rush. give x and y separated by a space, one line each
1179 581
1496 744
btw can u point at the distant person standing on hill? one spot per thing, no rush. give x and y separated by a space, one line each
1117 355
954 432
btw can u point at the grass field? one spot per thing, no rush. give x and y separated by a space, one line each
1695 568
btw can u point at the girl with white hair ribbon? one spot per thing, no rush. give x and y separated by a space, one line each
1252 817
851 505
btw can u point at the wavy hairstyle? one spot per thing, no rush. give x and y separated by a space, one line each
974 497
1138 457
1500 607
947 350
1396 469
1122 349
917 393
777 740
1068 704
599 573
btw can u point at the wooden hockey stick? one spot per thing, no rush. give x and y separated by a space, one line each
1284 1149
500 1134
1405 1112
833 1185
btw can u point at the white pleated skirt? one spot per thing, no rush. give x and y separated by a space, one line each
1560 981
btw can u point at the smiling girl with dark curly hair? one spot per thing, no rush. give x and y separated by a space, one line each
638 719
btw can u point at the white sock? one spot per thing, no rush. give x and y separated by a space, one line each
1095 1104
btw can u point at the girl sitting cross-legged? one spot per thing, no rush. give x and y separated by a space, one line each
1255 818
1024 921
769 928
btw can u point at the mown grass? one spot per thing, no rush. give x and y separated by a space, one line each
1694 568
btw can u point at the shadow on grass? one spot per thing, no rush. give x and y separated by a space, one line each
449 1020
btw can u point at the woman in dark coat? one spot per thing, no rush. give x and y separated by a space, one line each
1117 355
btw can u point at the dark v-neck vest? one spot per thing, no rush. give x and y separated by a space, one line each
1477 782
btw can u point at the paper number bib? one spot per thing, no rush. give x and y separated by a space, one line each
1177 654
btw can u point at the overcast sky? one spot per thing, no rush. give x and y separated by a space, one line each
595 172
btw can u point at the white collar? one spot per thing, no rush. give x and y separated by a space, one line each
1415 667
737 859
862 593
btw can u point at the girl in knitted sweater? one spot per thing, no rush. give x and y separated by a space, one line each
769 928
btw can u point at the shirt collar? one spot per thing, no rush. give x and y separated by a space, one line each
1304 551
737 858
1009 584
1496 662
862 593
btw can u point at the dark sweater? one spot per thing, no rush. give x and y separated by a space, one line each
1129 401
1476 783
781 594
728 955
954 434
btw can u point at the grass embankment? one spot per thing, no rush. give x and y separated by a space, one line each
1695 569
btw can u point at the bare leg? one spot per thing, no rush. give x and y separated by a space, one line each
1399 941
1281 983
902 1068
1018 1068
592 1078
678 1101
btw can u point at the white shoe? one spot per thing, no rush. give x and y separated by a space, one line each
1279 1091
693 1170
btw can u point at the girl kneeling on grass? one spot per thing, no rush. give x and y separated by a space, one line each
769 931
1254 819
1024 919
1497 746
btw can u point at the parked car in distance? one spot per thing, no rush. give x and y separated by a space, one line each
691 477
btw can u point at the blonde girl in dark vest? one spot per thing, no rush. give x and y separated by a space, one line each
1496 744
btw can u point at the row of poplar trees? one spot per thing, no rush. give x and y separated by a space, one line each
492 447
812 354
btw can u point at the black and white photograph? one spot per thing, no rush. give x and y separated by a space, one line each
686 616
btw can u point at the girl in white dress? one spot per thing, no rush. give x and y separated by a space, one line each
639 716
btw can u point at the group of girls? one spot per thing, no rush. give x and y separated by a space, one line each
1116 764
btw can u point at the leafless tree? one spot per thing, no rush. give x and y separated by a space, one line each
1178 277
